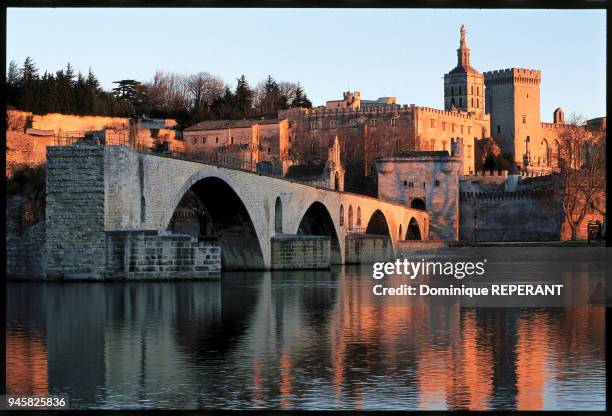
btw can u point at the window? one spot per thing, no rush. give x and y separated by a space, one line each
204 140
459 89
314 124
358 216
332 124
432 144
477 90
393 122
453 127
352 123
268 150
216 140
373 122
28 216
477 102
460 102
436 182
341 215
444 126
289 138
461 129
498 128
405 183
472 91
424 184
443 144
452 91
232 140
469 129
195 140
524 119
432 123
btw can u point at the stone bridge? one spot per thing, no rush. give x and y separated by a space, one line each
94 190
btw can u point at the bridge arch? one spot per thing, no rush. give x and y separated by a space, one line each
414 231
378 224
418 203
232 219
317 220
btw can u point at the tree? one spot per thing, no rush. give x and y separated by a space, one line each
130 90
583 171
300 99
244 96
29 72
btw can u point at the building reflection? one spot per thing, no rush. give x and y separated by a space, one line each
316 340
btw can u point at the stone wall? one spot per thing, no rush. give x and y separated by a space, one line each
363 248
68 122
25 253
75 212
510 216
300 252
149 255
25 150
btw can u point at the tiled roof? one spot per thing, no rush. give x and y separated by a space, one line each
230 124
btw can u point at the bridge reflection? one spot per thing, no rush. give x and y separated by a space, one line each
296 340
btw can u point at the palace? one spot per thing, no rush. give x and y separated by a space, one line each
497 109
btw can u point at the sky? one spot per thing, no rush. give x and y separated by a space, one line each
380 52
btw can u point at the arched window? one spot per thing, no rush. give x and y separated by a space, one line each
472 101
337 181
143 204
278 216
358 216
341 215
350 217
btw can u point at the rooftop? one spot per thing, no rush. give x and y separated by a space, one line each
230 124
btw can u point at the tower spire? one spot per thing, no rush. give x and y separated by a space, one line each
463 53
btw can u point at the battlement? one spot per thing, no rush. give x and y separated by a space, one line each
456 114
492 196
513 75
322 111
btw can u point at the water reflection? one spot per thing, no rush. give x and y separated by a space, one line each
312 340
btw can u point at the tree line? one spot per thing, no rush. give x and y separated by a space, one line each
184 97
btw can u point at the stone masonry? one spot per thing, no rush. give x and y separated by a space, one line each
300 252
148 255
75 212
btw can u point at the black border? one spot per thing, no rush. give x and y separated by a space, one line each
327 4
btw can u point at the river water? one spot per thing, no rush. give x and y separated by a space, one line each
296 340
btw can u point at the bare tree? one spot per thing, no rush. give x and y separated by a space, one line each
203 89
583 171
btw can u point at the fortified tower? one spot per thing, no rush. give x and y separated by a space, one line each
463 85
513 102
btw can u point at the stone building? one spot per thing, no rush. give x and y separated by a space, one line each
251 141
427 180
329 176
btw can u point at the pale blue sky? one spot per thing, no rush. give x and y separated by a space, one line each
380 52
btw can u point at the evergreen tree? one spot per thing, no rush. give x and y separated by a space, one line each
244 96
29 72
301 100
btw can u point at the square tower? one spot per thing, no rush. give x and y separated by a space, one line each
513 102
463 85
